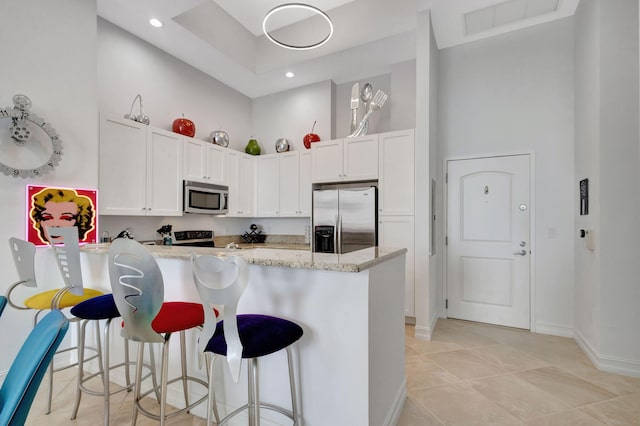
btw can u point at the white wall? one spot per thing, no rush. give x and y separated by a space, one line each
402 99
128 65
515 93
291 115
425 189
607 301
62 86
587 154
620 175
423 295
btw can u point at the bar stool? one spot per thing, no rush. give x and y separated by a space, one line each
70 295
3 303
222 282
138 290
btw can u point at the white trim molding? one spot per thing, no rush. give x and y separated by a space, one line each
393 416
554 329
607 363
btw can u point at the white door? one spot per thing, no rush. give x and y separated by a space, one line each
488 251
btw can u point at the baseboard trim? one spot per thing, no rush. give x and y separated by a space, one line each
393 416
607 363
554 329
424 333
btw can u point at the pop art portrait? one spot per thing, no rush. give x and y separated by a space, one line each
49 206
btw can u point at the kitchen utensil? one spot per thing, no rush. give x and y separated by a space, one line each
376 103
219 137
283 145
366 96
355 102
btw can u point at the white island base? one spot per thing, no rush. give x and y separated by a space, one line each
350 360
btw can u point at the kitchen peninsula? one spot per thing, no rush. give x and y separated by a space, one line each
351 357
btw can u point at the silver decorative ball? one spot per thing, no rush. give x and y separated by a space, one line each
219 137
283 145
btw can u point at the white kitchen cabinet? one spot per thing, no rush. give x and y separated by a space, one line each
295 184
396 181
399 231
268 185
241 182
204 162
284 184
305 183
140 170
349 159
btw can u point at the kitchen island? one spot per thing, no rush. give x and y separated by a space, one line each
350 360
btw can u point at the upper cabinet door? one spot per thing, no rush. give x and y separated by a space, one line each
397 173
247 185
268 191
361 158
327 161
305 183
216 161
195 163
164 173
289 183
240 179
122 169
204 162
349 159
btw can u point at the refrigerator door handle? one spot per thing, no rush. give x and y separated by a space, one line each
337 235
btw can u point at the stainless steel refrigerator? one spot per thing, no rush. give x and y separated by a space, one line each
344 218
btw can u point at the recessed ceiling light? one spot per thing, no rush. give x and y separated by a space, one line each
155 22
290 74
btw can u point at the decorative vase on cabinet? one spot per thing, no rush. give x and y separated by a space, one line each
253 147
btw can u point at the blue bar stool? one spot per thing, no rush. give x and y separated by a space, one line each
221 282
29 367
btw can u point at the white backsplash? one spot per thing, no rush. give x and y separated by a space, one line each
144 227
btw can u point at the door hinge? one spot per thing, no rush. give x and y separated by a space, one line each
446 303
446 178
446 240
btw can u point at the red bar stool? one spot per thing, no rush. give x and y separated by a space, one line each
138 291
221 282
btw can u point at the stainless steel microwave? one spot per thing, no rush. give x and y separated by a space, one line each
205 198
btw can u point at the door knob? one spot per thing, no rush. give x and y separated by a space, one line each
520 253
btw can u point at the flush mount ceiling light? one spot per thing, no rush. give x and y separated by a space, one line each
155 22
297 6
289 74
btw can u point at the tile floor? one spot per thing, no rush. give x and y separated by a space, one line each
468 374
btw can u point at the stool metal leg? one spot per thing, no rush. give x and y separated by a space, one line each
106 381
138 384
164 379
82 328
254 393
183 367
292 386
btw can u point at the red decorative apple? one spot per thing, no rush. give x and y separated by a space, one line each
310 137
184 126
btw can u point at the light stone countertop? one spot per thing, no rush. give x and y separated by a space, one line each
356 261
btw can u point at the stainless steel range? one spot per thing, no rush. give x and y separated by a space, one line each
193 238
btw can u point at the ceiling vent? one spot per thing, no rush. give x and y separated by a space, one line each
506 13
